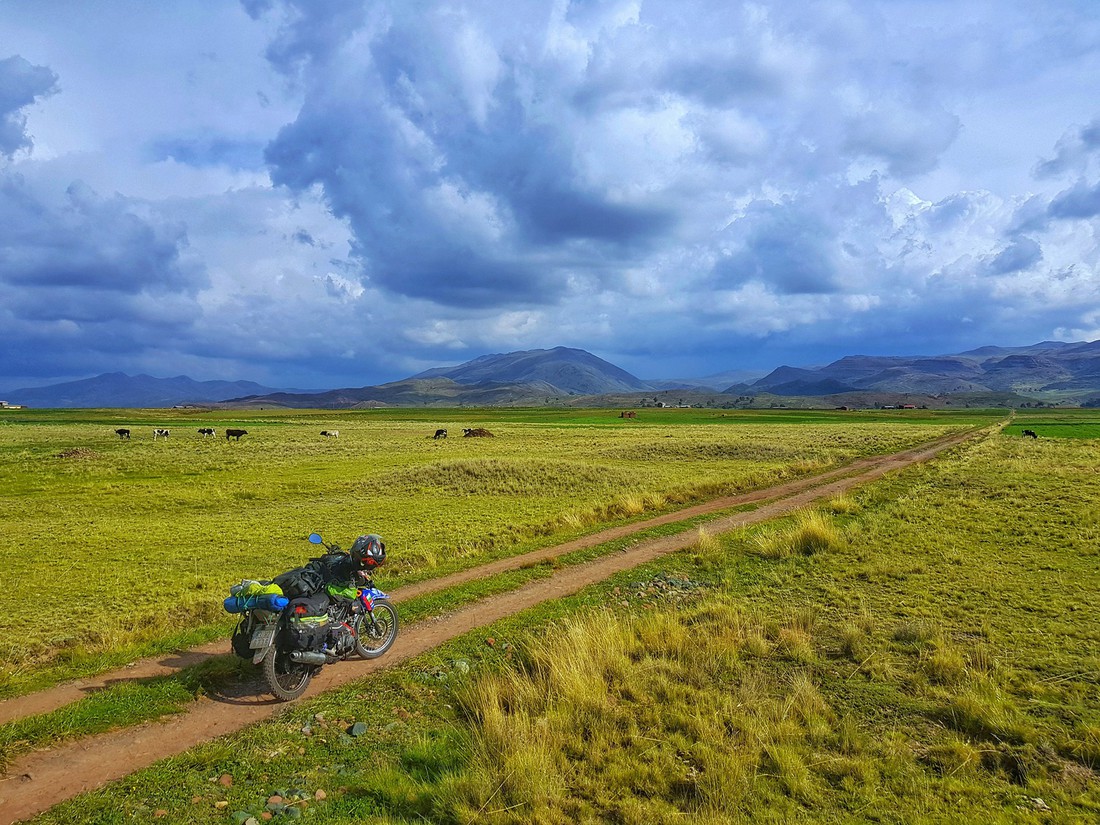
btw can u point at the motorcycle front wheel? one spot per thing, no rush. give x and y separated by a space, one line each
373 638
287 679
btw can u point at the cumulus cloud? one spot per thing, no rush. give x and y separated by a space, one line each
1074 152
741 180
725 155
21 84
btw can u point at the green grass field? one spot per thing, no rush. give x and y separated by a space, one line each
139 540
926 649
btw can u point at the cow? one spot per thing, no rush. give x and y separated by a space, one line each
122 432
1030 433
235 434
205 431
330 433
628 414
440 434
159 432
476 432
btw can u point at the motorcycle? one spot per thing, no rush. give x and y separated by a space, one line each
359 619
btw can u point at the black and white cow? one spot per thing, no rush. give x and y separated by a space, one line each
1030 434
235 434
440 434
205 431
122 432
160 432
330 433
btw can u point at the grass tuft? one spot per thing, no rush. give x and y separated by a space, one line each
811 533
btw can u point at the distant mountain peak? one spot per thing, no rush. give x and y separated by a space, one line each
569 370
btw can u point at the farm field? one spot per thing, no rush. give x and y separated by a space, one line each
926 649
140 539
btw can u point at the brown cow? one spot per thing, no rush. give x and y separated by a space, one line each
235 434
476 432
628 414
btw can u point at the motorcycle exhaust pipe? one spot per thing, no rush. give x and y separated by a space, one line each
308 657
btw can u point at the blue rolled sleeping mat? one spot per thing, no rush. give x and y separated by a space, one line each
255 595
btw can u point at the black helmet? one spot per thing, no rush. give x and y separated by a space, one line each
368 551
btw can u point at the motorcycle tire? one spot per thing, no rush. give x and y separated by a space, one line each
372 639
286 679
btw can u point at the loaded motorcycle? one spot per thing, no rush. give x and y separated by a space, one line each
295 624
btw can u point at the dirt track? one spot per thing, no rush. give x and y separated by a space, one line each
42 779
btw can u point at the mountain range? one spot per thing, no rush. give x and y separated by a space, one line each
1050 369
1048 372
116 389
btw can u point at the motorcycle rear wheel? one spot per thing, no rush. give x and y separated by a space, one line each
372 639
287 680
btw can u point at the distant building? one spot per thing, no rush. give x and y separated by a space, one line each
4 405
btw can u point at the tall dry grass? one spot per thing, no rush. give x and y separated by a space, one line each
811 532
643 717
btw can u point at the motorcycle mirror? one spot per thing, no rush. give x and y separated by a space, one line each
315 538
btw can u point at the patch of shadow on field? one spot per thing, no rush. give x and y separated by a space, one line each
502 478
78 454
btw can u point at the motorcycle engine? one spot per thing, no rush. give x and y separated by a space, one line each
345 641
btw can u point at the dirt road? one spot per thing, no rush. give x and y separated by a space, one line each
42 779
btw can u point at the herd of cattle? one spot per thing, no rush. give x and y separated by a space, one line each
163 432
467 432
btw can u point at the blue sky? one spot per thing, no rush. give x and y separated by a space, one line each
311 193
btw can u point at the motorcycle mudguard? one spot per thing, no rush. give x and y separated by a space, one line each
262 639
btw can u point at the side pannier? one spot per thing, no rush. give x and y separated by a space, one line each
307 623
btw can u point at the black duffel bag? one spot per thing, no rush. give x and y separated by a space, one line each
300 582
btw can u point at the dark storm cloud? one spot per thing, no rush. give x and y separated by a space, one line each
909 140
385 156
952 212
313 31
402 243
722 79
1081 201
89 243
1022 253
785 246
501 130
1072 152
20 85
86 279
